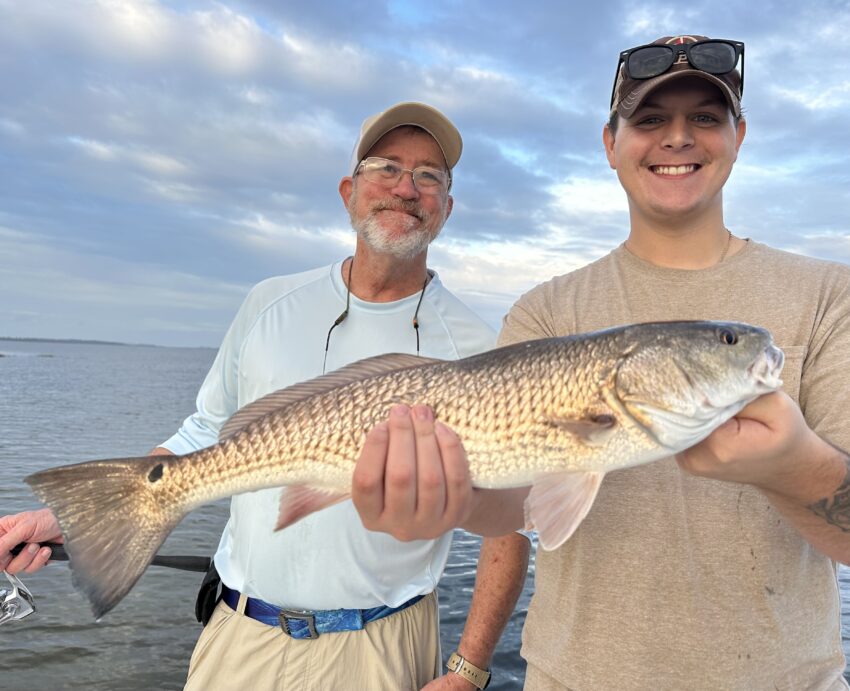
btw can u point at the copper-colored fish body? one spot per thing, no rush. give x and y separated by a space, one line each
555 413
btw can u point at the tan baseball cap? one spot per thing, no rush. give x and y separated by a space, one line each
630 93
408 113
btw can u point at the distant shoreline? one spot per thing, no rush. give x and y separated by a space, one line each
83 341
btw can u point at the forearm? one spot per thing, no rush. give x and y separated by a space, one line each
819 508
502 567
769 445
497 512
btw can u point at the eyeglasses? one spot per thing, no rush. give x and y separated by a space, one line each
388 173
715 56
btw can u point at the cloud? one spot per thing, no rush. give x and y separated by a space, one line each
658 20
817 96
149 161
97 291
583 197
152 149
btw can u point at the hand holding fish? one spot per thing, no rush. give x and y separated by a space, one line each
30 527
766 445
412 481
769 445
426 490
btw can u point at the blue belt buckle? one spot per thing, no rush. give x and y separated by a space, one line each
309 618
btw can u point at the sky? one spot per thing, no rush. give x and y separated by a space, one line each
159 158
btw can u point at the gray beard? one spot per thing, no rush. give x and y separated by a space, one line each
404 246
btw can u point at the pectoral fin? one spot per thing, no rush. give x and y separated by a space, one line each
298 501
558 503
593 430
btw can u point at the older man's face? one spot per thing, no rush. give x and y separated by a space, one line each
399 220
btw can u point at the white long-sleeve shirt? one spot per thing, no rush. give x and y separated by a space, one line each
327 560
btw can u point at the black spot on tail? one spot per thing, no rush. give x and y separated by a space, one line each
156 473
112 520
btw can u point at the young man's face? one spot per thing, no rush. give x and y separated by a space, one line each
675 153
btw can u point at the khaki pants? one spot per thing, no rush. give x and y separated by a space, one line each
397 653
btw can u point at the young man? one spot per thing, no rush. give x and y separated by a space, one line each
326 604
722 576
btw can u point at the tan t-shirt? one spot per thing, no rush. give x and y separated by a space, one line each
679 582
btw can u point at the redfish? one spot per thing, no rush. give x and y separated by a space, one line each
556 414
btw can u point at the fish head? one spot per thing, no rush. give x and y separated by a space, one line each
681 380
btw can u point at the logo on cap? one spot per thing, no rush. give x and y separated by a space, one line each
679 40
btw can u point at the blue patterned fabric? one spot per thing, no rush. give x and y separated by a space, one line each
325 621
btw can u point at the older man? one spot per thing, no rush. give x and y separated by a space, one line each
327 604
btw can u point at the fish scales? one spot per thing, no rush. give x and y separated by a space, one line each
501 407
554 414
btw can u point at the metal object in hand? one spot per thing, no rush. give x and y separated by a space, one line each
16 603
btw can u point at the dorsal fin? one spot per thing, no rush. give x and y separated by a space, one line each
362 369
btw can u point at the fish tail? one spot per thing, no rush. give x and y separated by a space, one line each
114 515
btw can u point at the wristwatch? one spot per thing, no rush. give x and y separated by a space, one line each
464 668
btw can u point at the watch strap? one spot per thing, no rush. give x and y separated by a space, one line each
464 668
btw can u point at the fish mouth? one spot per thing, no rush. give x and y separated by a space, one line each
767 367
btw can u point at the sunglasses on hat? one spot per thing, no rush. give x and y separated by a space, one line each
715 56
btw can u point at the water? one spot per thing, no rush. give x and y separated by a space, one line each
69 402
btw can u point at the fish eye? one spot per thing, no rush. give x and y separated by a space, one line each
156 472
728 336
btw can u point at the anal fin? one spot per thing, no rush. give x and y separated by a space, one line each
298 501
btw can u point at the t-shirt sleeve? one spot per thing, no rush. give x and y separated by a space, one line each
825 379
530 318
